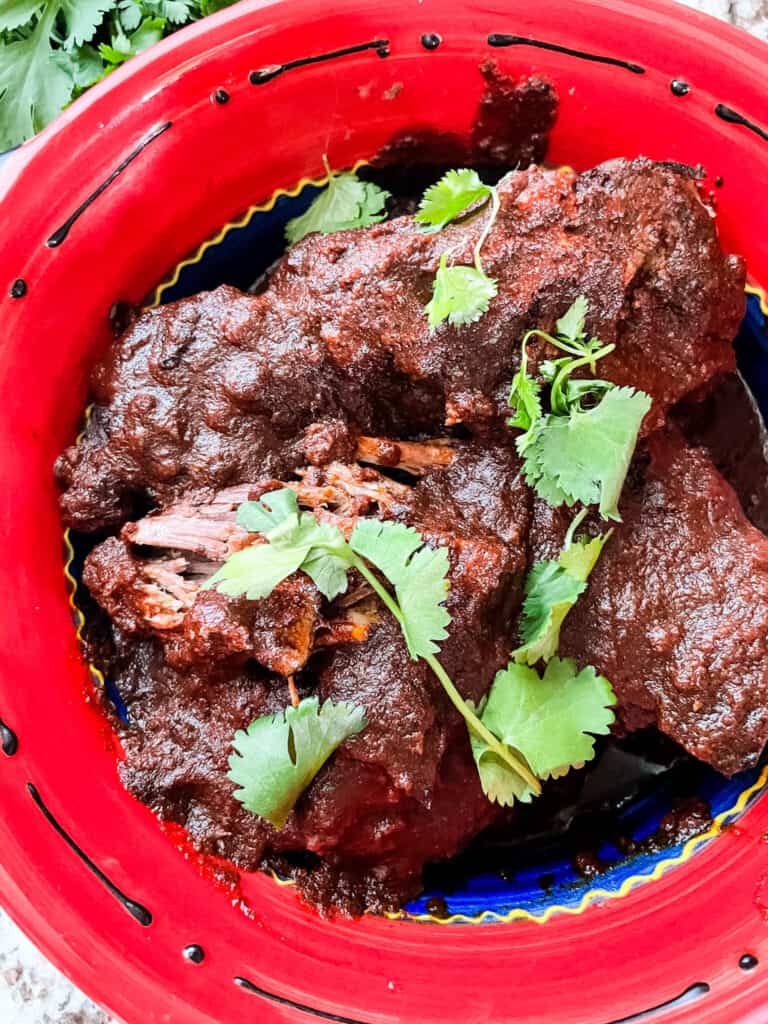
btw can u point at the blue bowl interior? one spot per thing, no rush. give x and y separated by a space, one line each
537 875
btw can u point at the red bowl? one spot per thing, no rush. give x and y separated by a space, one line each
98 209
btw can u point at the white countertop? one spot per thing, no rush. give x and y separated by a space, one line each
31 990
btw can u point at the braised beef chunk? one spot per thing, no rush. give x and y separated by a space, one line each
676 613
727 424
179 741
212 391
422 797
219 389
141 596
329 382
634 238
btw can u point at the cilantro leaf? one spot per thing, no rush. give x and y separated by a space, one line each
327 571
550 592
83 17
579 559
131 14
305 531
83 65
175 12
327 560
278 756
419 575
552 588
585 456
550 720
387 545
448 198
346 202
16 13
269 511
123 47
570 326
295 540
178 12
524 399
461 295
500 783
256 571
33 86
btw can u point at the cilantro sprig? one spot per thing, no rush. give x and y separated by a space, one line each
460 294
551 590
346 202
418 577
550 720
580 450
448 198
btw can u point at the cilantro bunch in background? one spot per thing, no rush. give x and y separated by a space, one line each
53 50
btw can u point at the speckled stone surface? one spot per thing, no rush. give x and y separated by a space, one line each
32 991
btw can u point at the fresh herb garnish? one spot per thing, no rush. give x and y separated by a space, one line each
552 588
461 294
581 449
296 541
584 456
417 573
549 720
525 400
448 198
126 44
51 50
277 756
345 202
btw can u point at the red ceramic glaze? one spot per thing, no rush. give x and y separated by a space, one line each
610 962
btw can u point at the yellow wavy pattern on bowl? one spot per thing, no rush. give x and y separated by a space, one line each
516 914
241 222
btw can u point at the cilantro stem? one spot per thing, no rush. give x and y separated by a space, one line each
575 524
495 205
473 722
558 343
565 372
476 726
294 693
380 589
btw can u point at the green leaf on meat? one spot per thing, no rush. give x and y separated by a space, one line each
549 720
346 202
584 456
419 575
449 198
278 756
